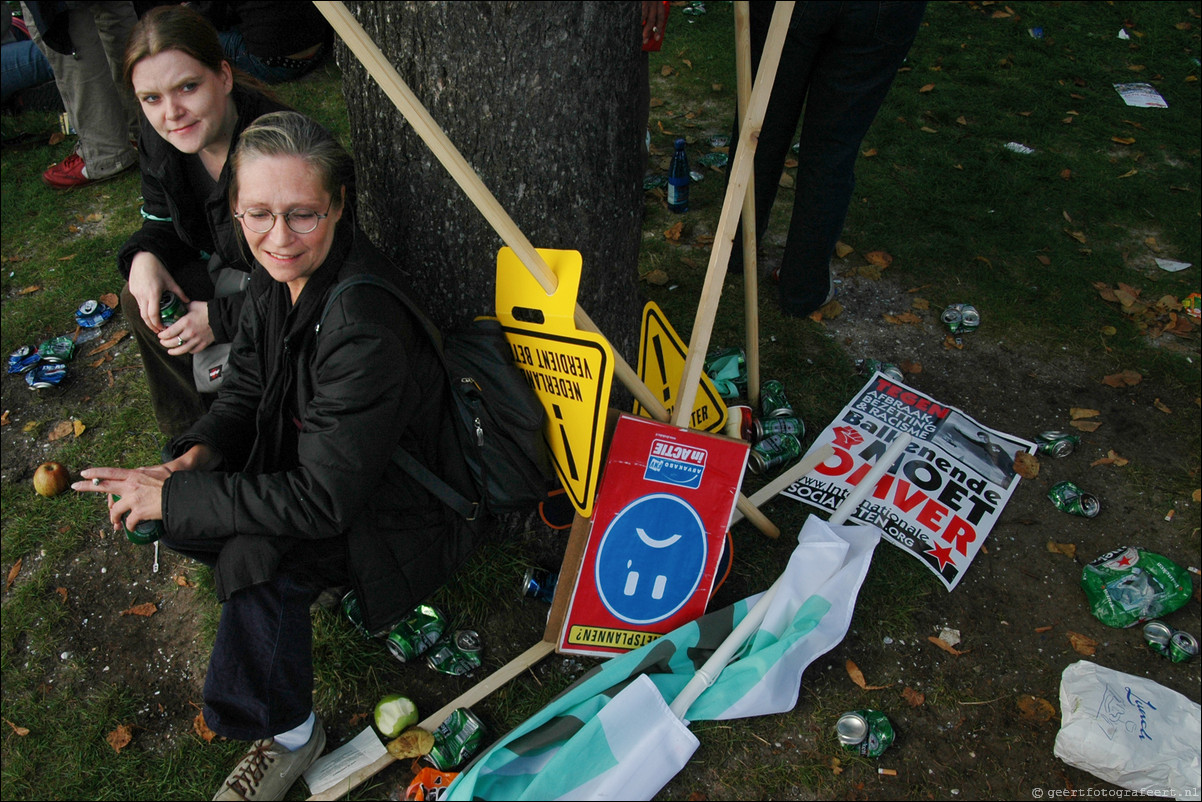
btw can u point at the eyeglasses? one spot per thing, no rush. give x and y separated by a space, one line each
301 221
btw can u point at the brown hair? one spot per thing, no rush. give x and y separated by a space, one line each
290 133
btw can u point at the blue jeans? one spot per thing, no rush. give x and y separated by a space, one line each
837 64
236 51
24 67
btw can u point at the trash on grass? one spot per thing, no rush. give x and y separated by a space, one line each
1129 585
1141 95
1018 147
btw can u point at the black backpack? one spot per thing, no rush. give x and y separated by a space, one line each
500 418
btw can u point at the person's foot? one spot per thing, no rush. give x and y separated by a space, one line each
268 770
832 293
72 173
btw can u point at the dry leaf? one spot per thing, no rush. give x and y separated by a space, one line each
4 421
947 647
926 88
857 676
926 129
920 303
665 70
110 300
1081 412
879 258
1067 549
60 430
1079 236
961 121
904 317
1082 644
1123 140
100 361
687 63
117 337
182 581
358 717
12 573
835 767
29 289
63 593
146 609
413 742
1129 173
1111 458
913 697
202 729
1026 465
30 426
1124 378
1033 708
868 154
120 738
910 367
673 233
1043 259
22 731
950 342
657 277
56 137
1161 406
66 258
1197 495
842 249
1043 629
1066 174
78 427
1086 425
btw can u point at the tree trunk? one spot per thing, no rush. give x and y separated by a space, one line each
545 101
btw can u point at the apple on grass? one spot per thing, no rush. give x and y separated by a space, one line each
50 479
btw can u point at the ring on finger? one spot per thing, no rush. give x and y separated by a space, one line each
181 340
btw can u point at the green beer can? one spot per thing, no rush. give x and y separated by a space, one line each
145 533
1071 499
773 402
456 740
772 452
867 732
1182 647
171 308
457 656
1056 444
416 633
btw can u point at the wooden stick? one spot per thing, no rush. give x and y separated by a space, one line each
751 273
374 61
736 190
769 491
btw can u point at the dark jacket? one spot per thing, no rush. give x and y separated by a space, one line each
306 426
177 227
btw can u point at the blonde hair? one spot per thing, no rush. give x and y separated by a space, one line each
290 133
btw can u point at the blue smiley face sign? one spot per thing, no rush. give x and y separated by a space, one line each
651 559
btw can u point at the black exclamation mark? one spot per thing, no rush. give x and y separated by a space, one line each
663 370
567 447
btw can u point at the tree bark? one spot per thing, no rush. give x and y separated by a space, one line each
546 101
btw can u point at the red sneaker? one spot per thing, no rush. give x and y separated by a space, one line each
67 174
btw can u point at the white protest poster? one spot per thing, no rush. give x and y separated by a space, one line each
941 498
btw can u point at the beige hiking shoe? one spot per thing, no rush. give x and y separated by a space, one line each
267 771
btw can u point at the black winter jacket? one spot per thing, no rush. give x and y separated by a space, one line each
179 229
306 426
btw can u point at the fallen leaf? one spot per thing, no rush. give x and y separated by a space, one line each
857 676
12 573
1124 378
200 728
358 717
879 258
1129 173
913 697
910 367
1076 413
1123 140
921 303
30 426
1086 425
117 337
100 360
665 70
413 742
4 421
904 317
673 233
1082 644
868 154
1067 549
1043 629
1197 495
657 277
835 767
961 121
63 593
926 88
1111 458
1043 259
66 258
950 342
1109 331
182 581
60 430
1026 465
1033 708
29 289
146 609
926 129
1161 406
78 427
947 647
120 738
1079 236
22 731
1066 174
110 300
56 137
688 63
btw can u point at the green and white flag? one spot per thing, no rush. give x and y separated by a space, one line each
612 736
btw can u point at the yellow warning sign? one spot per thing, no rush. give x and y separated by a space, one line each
662 356
571 371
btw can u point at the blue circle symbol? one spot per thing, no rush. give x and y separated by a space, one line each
651 559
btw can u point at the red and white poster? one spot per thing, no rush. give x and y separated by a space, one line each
659 524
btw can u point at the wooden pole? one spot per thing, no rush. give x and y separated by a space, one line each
736 191
374 61
751 273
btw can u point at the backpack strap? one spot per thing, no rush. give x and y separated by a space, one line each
401 457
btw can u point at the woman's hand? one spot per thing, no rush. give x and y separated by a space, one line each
148 279
191 333
140 491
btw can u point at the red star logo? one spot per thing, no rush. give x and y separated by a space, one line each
1125 561
941 553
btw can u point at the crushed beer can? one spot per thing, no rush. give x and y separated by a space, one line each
866 732
961 318
773 402
57 349
46 375
1183 647
766 427
539 583
772 452
92 314
1128 586
354 613
1157 635
456 740
1071 499
1056 444
416 633
871 366
457 656
23 359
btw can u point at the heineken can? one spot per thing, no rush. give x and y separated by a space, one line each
1071 499
456 740
773 403
1158 634
418 632
44 376
171 308
57 349
145 533
867 732
22 359
92 314
870 366
770 426
353 612
961 318
450 657
1057 444
1182 647
539 584
773 451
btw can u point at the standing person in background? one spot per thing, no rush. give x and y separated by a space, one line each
273 41
195 105
837 63
83 43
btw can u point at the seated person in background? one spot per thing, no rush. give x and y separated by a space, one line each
285 486
195 105
24 67
273 41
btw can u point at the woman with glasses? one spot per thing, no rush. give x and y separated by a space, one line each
286 486
194 105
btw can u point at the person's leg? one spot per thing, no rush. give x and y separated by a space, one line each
114 23
855 68
173 395
23 67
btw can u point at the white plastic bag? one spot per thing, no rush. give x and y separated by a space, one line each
1129 731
